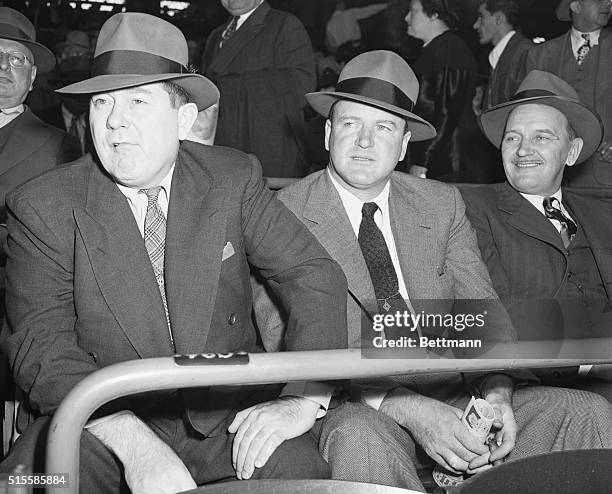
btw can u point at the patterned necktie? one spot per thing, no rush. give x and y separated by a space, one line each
568 227
380 265
229 30
155 241
584 49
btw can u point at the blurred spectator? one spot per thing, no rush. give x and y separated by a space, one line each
447 73
496 24
343 27
262 62
583 58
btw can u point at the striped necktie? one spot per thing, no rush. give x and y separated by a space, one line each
568 227
229 30
155 241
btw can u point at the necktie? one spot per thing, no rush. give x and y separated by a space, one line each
229 30
155 241
568 227
584 49
380 265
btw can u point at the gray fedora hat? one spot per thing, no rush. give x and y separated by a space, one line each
382 79
135 49
544 88
17 27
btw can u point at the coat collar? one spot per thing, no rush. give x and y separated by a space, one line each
195 235
525 218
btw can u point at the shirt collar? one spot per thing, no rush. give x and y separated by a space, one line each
537 200
15 109
133 194
242 18
499 48
578 40
352 204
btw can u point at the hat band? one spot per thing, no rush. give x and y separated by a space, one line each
13 31
377 89
532 93
134 62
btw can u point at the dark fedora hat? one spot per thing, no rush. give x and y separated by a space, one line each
544 88
382 79
135 49
17 27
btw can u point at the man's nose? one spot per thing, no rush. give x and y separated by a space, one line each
364 138
116 118
4 61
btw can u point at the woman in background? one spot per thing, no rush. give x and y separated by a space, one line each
447 71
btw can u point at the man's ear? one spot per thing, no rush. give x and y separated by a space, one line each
575 6
500 18
328 126
33 73
574 152
405 141
187 115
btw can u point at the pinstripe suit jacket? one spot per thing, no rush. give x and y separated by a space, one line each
81 292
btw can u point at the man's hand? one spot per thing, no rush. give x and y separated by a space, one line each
260 429
418 171
436 426
151 466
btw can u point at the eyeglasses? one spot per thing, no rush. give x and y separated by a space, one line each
15 58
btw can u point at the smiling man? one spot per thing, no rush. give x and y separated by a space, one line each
583 58
141 251
544 243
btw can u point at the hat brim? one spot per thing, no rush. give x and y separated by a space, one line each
202 91
44 59
581 118
322 101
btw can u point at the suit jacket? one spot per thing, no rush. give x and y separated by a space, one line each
436 247
525 255
263 72
29 147
556 56
509 72
81 292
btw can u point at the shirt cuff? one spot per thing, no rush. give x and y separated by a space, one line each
320 393
106 418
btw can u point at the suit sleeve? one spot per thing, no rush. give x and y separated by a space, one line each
310 285
43 351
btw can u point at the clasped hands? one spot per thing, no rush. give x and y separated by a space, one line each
437 427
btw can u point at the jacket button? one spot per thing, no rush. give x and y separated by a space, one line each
231 320
93 355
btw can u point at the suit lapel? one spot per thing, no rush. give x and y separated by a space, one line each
26 137
332 227
121 266
523 216
241 38
195 238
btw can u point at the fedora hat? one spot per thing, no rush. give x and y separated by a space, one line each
135 49
382 79
78 40
544 88
17 27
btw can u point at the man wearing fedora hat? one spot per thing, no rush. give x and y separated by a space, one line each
424 248
583 58
27 145
141 251
542 242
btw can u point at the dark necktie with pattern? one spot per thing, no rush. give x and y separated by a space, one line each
380 266
568 227
155 241
229 30
584 49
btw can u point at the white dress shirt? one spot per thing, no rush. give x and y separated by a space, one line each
578 40
536 201
7 115
499 48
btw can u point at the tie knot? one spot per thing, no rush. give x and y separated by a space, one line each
550 203
587 38
368 209
152 194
